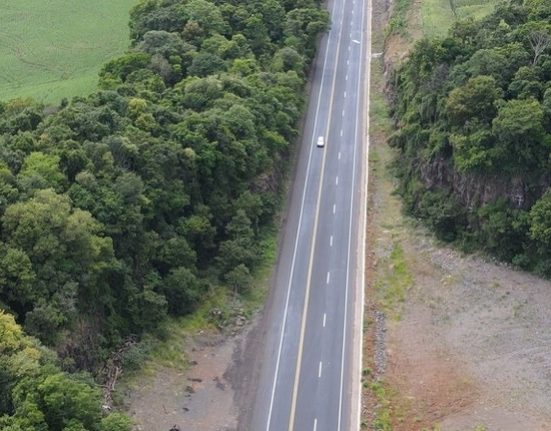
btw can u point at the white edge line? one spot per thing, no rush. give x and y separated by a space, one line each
360 76
280 347
363 246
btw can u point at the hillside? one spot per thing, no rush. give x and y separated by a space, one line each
454 340
54 49
474 133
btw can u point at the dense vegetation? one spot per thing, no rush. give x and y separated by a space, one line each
121 208
473 112
39 395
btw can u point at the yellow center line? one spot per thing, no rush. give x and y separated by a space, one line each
316 219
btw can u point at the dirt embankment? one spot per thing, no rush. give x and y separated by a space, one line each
452 342
201 398
472 347
198 379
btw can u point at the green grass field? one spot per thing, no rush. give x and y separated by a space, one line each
51 49
438 15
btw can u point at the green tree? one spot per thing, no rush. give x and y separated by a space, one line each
41 171
120 68
116 422
519 131
477 99
240 248
288 59
36 395
67 253
205 64
540 221
67 400
16 276
206 15
183 291
239 279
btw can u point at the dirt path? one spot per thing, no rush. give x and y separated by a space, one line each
200 399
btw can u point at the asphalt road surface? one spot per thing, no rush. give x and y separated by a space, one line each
310 375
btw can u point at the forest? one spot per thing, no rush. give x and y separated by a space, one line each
473 132
125 207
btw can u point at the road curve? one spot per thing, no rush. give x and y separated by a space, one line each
310 372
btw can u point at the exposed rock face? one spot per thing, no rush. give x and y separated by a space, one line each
475 190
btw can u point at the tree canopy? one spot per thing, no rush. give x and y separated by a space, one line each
36 395
121 208
473 117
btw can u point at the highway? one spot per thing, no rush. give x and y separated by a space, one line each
310 374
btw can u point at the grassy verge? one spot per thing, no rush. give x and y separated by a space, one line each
393 281
385 414
438 15
54 49
398 21
473 8
391 274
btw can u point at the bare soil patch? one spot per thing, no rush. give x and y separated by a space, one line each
398 44
471 347
199 399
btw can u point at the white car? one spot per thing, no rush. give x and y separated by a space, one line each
321 141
